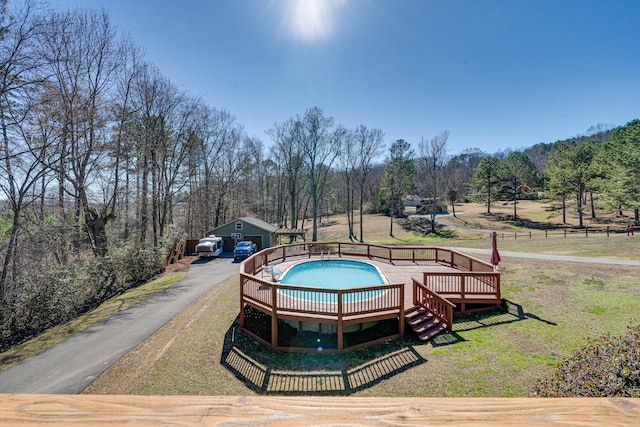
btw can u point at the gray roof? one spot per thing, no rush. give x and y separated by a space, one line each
259 223
263 225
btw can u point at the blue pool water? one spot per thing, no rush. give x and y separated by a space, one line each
333 274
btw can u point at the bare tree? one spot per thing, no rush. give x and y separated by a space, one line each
348 163
459 172
19 169
320 147
157 101
433 156
123 139
83 57
287 151
369 144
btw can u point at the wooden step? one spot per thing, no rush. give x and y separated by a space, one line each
421 318
414 311
432 332
426 325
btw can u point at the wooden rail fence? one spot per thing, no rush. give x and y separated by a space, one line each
629 230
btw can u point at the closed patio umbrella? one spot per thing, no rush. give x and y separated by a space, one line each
495 255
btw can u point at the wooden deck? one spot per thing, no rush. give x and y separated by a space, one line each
89 410
419 279
404 272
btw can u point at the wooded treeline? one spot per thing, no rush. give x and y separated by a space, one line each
105 162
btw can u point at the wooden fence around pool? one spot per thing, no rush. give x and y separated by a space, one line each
343 307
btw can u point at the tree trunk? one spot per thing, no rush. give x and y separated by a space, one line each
391 213
361 213
10 253
349 211
433 216
580 209
97 227
144 204
453 205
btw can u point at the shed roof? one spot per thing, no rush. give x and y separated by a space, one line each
263 225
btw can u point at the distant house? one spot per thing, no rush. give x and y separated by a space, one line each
246 228
421 206
524 192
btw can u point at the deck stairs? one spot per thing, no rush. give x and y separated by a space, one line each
424 323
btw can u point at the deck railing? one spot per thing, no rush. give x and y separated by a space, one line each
332 303
434 303
463 283
335 306
390 254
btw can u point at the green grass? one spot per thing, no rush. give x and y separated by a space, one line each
108 308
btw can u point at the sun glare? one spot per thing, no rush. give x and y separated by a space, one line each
312 20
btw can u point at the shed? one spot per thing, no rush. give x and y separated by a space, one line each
246 228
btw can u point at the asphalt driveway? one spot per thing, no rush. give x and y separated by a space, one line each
73 364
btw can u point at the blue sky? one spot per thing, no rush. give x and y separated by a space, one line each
497 74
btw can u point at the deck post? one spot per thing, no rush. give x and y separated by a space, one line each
462 285
274 317
401 314
340 328
241 301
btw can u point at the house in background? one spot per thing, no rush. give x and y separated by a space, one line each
524 192
246 228
416 205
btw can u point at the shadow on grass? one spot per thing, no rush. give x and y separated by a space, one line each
268 372
523 222
422 227
508 312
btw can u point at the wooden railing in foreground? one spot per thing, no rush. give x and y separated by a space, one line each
92 410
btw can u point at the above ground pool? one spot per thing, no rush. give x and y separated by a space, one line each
331 275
